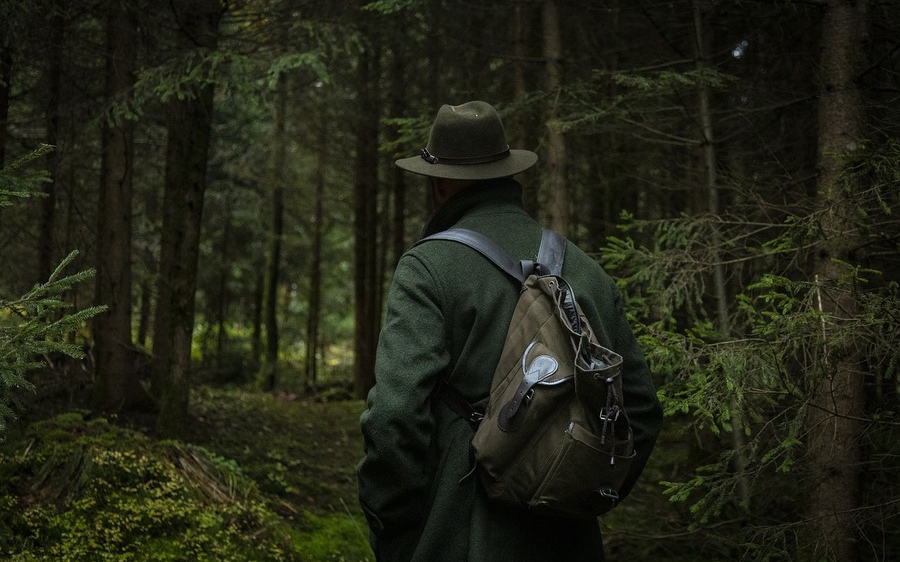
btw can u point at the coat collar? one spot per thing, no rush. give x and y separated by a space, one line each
495 192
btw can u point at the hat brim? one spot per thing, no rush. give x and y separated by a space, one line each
517 161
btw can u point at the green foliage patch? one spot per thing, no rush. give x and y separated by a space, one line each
37 323
739 376
333 538
85 489
265 477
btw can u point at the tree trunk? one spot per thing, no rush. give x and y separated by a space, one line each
145 290
714 207
315 266
256 333
365 198
116 385
839 399
516 128
46 262
604 197
148 262
5 88
556 143
189 121
215 335
268 373
223 296
399 63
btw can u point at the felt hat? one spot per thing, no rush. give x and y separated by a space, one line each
467 142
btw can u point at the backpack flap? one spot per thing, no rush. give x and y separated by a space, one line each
534 342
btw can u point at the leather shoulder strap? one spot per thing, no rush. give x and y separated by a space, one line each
486 247
550 254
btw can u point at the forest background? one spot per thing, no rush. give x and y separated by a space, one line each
225 173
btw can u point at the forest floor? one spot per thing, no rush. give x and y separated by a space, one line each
299 450
303 450
299 453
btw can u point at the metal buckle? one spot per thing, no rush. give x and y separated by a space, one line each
608 493
605 414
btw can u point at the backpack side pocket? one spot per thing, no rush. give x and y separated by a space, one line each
584 475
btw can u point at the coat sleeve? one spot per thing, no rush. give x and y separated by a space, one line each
398 424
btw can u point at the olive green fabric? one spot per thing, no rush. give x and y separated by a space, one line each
468 142
552 451
447 314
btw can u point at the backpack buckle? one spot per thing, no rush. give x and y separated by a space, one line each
610 414
609 493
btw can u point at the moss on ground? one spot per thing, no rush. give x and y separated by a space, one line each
258 477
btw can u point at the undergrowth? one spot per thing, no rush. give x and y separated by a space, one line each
255 481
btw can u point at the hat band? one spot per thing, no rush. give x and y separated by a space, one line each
432 159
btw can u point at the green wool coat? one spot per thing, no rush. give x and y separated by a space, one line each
447 313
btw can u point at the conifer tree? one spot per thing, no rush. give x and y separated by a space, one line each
35 324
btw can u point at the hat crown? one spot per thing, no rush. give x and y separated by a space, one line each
467 142
470 130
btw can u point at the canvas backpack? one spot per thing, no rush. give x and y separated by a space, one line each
554 436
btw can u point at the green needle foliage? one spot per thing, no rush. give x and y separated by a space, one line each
36 323
31 328
745 394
